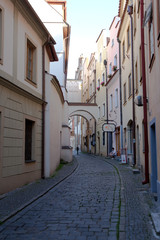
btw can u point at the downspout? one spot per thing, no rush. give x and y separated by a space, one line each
120 93
105 64
43 109
130 12
144 99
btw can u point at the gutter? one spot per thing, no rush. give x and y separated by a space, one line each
144 99
43 108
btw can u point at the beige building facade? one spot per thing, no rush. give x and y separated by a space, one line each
152 67
101 96
131 74
21 98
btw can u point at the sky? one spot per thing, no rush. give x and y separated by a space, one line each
87 18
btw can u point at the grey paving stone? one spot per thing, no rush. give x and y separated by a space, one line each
84 206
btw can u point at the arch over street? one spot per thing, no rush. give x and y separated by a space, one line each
86 110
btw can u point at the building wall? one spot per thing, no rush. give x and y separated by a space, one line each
138 86
153 81
101 141
14 109
19 99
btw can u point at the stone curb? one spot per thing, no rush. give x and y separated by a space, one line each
62 175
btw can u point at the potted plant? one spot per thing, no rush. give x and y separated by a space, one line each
114 68
102 83
110 75
98 88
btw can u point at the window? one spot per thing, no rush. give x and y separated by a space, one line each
129 86
1 35
115 60
130 137
98 82
136 77
158 21
111 103
138 7
151 40
103 138
100 57
90 90
140 64
110 68
31 62
112 42
116 97
103 109
124 93
29 140
123 50
103 78
134 16
99 112
128 38
93 87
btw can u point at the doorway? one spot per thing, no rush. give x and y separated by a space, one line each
153 156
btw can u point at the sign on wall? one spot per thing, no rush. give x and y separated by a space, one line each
108 127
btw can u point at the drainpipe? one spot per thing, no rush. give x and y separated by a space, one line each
105 64
144 99
43 109
130 12
120 93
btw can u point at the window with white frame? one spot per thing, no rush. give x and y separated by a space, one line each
110 68
90 89
100 57
93 87
98 83
115 60
116 97
99 112
103 77
151 40
129 86
31 62
112 42
111 102
103 109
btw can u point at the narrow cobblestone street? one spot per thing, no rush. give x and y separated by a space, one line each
100 200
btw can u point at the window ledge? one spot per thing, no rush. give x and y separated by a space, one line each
130 97
30 161
31 82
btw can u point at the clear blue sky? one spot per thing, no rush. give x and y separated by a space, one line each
87 18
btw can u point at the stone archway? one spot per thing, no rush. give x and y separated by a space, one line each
89 112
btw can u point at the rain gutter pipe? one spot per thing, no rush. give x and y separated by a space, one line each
130 12
120 94
144 98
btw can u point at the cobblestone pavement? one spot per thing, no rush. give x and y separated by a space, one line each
100 200
138 204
